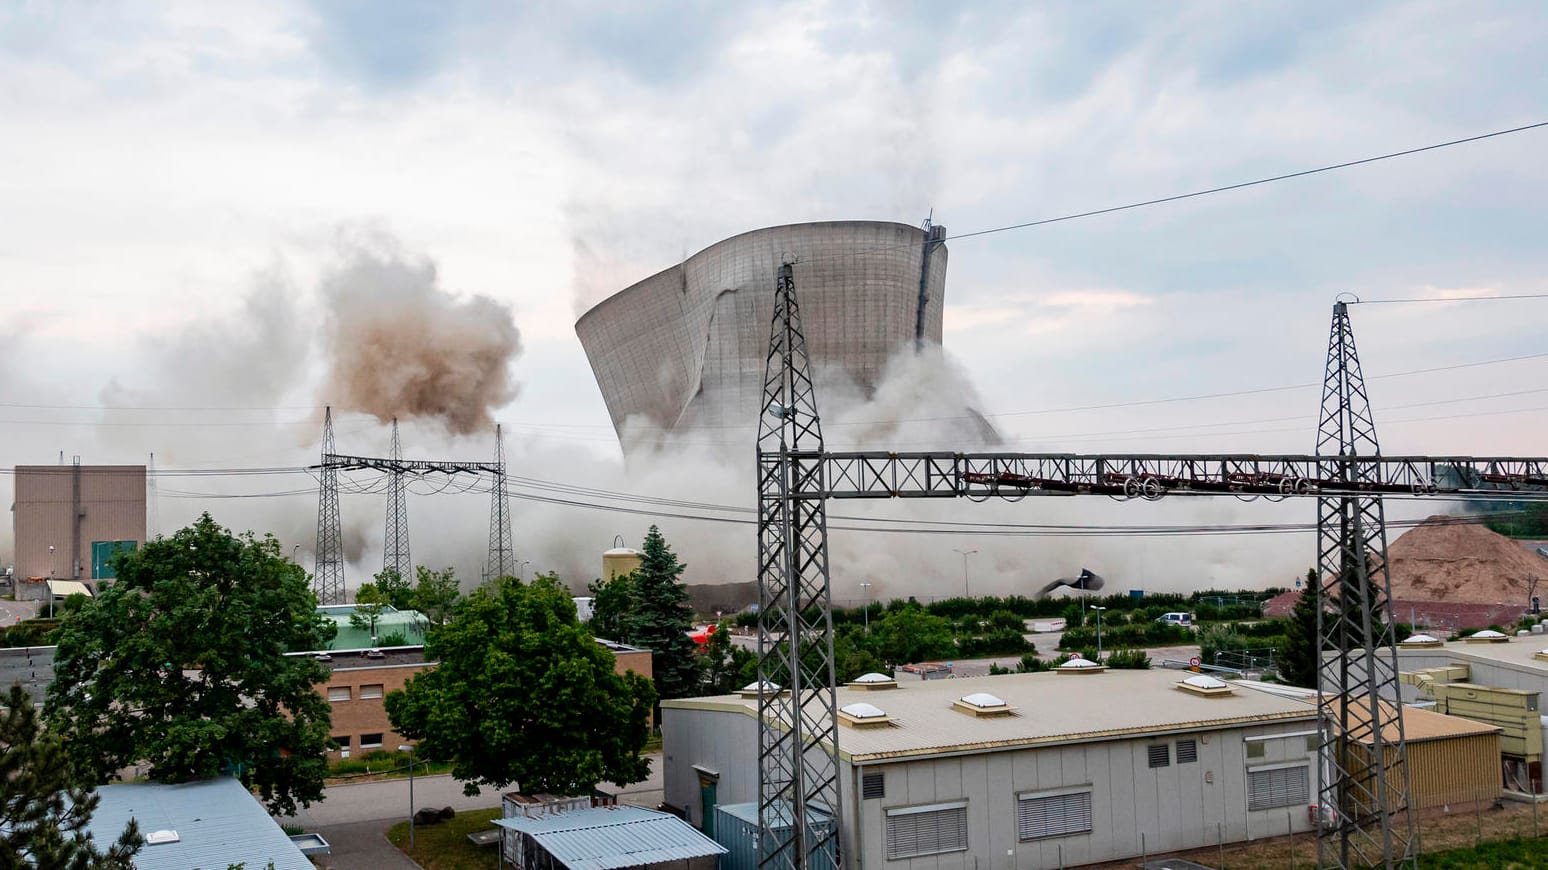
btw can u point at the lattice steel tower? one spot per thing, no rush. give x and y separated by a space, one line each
1362 778
396 553
328 578
797 719
502 555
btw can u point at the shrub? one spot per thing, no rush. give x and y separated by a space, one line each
1128 659
995 670
996 643
1031 664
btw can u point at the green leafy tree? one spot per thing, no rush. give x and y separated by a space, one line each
43 813
436 593
662 618
394 589
524 695
181 664
1298 660
910 635
723 662
370 604
612 607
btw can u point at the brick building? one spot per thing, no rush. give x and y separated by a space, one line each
359 681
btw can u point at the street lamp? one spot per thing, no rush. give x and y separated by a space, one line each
965 554
409 748
1099 632
50 580
865 591
521 569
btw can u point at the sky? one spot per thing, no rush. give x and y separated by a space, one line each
198 200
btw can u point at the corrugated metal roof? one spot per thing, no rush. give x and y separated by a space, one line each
218 824
607 838
1418 725
1048 708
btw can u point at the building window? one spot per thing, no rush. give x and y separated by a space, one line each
1255 749
1278 787
370 741
1187 751
1052 815
338 693
1160 754
1313 743
927 830
369 692
873 785
340 742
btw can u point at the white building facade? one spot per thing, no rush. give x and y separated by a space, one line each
1071 769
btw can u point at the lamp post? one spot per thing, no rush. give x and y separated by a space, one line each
965 553
1099 632
521 569
50 580
865 592
409 748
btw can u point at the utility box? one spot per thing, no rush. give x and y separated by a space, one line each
736 828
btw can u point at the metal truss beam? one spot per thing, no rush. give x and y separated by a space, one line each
1152 476
341 462
797 714
502 553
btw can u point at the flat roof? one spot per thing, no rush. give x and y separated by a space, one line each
1420 725
32 666
1517 652
1047 708
218 823
607 838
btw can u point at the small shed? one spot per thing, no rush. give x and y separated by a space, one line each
736 828
607 838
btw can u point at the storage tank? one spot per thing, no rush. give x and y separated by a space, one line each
736 828
619 561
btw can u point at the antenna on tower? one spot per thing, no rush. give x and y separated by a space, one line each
502 557
396 556
328 578
152 501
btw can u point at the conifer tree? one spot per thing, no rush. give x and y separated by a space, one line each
663 618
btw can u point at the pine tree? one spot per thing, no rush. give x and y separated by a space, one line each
1298 665
663 618
43 815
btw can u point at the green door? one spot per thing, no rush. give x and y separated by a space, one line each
101 552
707 804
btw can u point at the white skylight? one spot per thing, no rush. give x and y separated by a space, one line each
982 700
862 710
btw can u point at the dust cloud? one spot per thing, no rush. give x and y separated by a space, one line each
399 345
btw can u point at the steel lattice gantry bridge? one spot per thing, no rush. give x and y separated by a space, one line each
1362 781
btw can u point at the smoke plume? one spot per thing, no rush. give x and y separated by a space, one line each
399 345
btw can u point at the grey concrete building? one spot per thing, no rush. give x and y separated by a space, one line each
69 519
1028 770
685 348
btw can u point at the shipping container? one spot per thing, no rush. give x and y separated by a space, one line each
736 828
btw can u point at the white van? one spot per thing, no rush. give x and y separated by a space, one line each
1176 618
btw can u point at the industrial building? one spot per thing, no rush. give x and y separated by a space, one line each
69 520
1027 770
359 681
209 823
685 348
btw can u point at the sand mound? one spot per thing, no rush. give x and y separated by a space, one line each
1443 560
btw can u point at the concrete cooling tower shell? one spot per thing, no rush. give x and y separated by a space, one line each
685 348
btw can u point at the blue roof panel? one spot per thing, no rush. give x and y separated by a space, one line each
218 823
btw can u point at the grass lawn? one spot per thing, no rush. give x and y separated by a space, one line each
445 846
1507 855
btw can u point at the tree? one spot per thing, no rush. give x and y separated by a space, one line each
724 663
395 589
370 604
662 618
43 813
435 594
1298 660
523 694
612 607
910 635
181 663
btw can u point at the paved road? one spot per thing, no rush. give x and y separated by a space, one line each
354 818
12 612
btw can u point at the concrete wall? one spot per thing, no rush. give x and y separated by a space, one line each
686 347
112 505
1179 806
